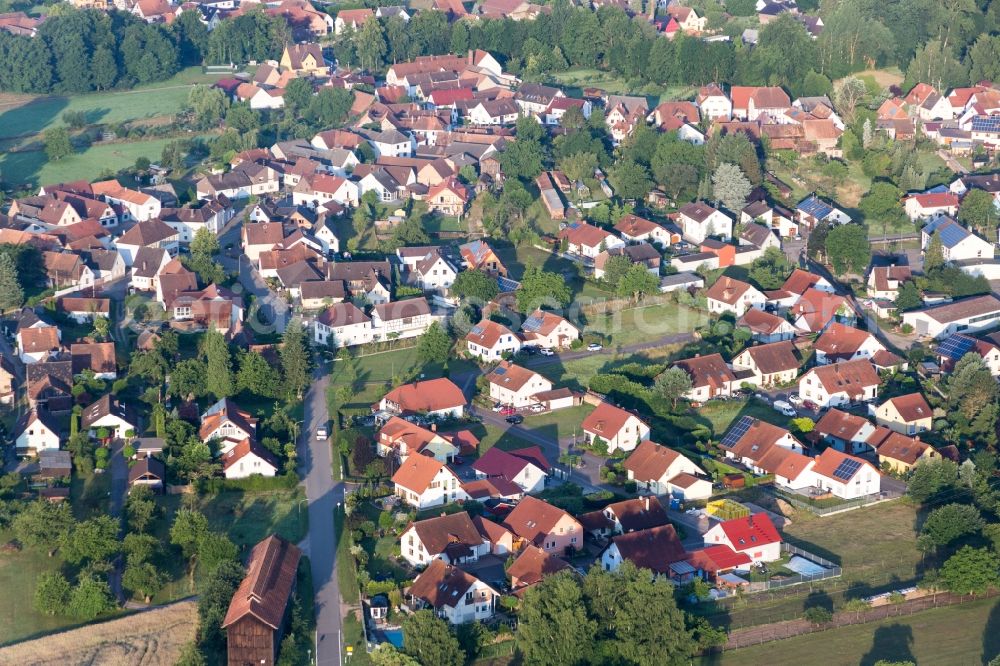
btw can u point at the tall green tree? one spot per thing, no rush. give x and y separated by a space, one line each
730 187
434 345
90 599
369 43
295 360
11 293
971 571
219 365
43 525
428 639
476 285
637 282
847 248
541 288
92 540
554 628
52 592
672 384
258 376
57 143
933 253
979 212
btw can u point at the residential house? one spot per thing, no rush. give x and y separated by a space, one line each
97 357
402 439
453 594
83 310
615 426
749 440
840 383
424 482
248 458
713 103
427 268
699 221
660 470
971 314
755 536
635 229
150 234
139 206
884 282
656 549
112 415
440 398
146 266
351 18
65 269
479 256
845 431
526 468
639 253
758 235
8 380
227 422
766 327
34 344
149 472
711 377
449 197
536 522
731 295
812 211
255 620
401 319
36 431
930 204
370 279
815 310
490 340
531 567
751 102
451 538
342 325
772 364
845 343
586 240
800 281
780 220
316 190
548 330
514 385
952 349
907 414
899 453
957 242
305 59
846 476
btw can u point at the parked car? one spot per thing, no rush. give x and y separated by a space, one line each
547 351
529 350
321 433
783 407
497 406
458 460
537 407
810 405
595 346
515 419
507 411
795 399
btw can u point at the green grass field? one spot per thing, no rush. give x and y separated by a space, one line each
34 166
721 414
645 324
18 573
611 83
30 115
963 634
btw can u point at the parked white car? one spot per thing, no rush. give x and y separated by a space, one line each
783 407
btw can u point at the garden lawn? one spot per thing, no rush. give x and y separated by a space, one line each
722 413
644 323
30 115
18 574
612 83
35 167
962 634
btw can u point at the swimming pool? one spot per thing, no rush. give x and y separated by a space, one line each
394 636
805 567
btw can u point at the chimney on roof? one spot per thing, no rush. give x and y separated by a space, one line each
647 502
434 427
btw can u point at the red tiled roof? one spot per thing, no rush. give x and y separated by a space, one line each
750 532
265 591
427 395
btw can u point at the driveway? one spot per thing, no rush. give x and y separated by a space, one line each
323 495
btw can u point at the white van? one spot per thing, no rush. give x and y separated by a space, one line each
783 407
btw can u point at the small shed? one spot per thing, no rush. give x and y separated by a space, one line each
54 464
147 472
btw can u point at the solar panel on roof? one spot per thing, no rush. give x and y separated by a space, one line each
500 370
532 324
507 285
846 469
955 346
737 431
952 234
477 330
986 124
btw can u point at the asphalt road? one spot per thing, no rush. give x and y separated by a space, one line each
273 312
323 495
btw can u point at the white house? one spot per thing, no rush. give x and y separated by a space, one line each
227 422
713 103
699 221
109 413
33 344
711 377
423 482
755 536
845 343
967 315
516 386
526 468
620 429
490 340
440 398
923 206
840 384
735 296
318 189
139 206
845 476
547 329
660 470
588 241
36 431
451 538
342 325
390 143
401 319
453 594
774 363
246 459
635 229
427 269
957 242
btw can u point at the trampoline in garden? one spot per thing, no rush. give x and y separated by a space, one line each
801 565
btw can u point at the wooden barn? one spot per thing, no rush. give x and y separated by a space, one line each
256 617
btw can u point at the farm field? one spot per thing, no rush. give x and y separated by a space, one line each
18 573
962 634
27 114
34 167
151 638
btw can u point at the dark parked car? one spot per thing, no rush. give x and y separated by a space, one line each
515 419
